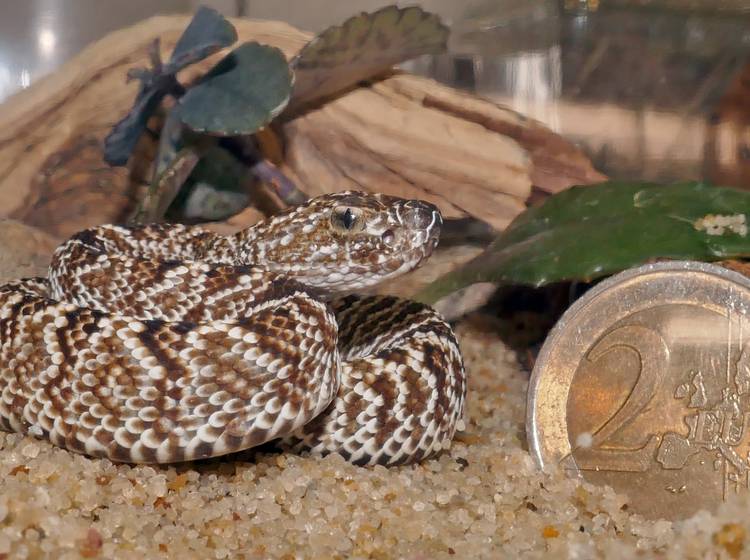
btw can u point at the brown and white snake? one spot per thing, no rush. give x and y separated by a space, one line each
168 343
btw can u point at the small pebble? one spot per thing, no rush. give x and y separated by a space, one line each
30 450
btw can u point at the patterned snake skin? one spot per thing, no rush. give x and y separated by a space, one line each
166 343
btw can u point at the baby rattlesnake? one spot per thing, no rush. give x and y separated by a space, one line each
167 343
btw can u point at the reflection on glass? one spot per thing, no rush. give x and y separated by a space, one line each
533 82
6 81
46 40
37 36
648 95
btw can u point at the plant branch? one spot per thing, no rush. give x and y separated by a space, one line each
247 152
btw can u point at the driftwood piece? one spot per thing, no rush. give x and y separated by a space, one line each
556 164
24 251
405 135
378 139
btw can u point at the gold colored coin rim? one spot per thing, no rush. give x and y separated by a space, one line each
546 416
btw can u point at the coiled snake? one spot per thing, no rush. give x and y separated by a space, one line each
166 343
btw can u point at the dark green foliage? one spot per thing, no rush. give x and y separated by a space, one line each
588 232
241 94
207 33
121 141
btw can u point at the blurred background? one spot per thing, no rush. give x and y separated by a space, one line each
655 90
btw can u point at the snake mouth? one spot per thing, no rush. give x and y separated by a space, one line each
432 237
425 254
432 225
428 247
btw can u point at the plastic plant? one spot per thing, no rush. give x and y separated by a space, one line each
219 114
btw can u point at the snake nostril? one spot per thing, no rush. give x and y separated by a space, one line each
388 237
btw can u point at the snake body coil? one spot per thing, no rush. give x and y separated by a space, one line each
166 343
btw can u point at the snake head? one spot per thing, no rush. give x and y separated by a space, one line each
342 242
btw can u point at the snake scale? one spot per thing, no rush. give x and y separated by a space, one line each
166 343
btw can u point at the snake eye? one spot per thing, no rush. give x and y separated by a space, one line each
347 219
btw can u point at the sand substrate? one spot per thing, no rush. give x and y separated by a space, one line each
484 498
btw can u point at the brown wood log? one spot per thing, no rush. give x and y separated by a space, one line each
378 139
405 135
24 251
556 164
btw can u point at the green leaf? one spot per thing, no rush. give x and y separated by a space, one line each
207 33
363 47
588 232
124 136
241 94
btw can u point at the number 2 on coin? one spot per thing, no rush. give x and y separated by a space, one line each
653 354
